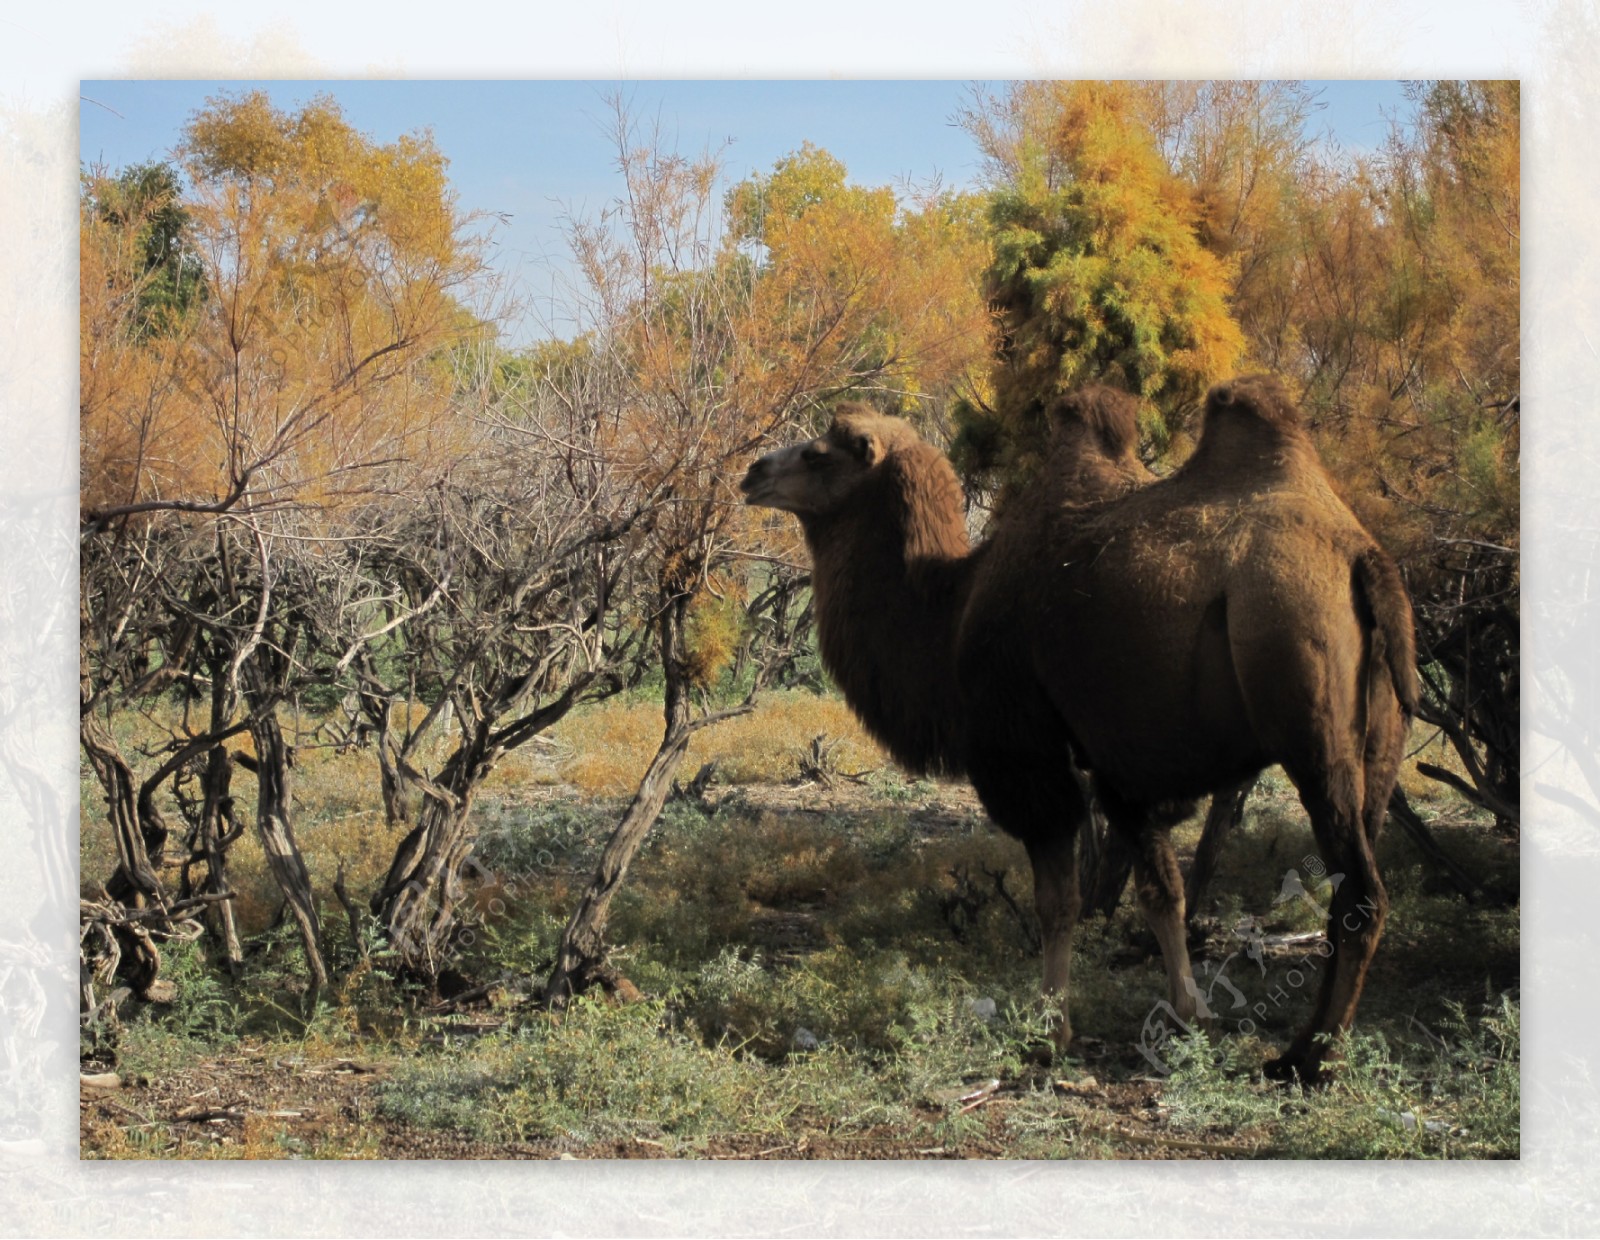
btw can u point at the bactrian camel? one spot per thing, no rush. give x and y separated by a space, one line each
1093 456
1171 641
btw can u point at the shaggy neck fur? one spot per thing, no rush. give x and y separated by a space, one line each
890 575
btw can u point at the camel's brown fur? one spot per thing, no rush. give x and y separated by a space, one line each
1093 457
1093 453
1172 640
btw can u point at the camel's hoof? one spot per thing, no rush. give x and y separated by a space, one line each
1292 1069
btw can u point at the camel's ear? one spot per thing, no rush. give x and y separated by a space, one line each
866 448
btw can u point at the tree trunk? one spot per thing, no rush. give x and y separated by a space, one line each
417 901
392 785
395 788
581 956
134 870
215 829
582 951
217 833
273 824
134 883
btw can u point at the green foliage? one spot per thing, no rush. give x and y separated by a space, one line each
873 1003
806 178
145 200
206 1014
599 1072
1458 1096
743 928
528 839
1097 274
888 782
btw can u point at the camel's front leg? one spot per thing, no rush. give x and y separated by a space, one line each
1056 899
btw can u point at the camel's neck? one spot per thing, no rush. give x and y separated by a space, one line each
890 580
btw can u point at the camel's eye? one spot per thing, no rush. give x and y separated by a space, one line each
814 453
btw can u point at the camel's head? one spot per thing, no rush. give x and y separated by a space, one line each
813 478
1262 398
1109 415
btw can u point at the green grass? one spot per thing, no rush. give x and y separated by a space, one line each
873 930
1457 1096
879 976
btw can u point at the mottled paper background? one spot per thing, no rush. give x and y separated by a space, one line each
1552 45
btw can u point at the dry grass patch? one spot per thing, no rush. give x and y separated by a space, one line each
608 748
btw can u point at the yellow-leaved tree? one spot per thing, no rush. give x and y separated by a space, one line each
1385 289
1097 272
267 333
726 319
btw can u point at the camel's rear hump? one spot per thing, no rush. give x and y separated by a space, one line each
1251 435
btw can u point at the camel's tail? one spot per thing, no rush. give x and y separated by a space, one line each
1394 642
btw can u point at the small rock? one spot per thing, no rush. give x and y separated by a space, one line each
160 991
805 1040
100 1080
983 1009
1399 1119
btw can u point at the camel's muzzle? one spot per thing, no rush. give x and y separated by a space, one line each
751 482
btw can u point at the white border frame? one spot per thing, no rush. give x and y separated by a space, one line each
1552 45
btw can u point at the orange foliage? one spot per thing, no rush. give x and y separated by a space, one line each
315 361
723 335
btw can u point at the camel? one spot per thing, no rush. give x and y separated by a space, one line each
1093 457
1173 640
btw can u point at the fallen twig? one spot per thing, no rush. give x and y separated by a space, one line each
207 1115
978 1097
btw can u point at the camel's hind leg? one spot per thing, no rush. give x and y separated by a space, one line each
1347 826
1334 801
1158 884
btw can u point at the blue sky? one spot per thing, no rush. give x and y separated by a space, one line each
537 151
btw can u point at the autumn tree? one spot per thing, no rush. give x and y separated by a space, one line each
1243 148
1402 287
1097 271
730 317
859 289
303 368
1453 465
